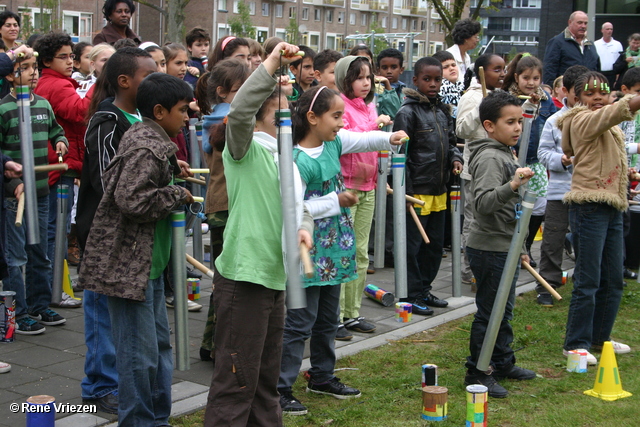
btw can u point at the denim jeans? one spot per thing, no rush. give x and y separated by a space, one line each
318 320
423 260
597 278
144 358
101 376
556 225
37 296
487 268
53 216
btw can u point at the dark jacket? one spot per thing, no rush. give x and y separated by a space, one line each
110 35
101 141
431 149
117 257
4 271
563 51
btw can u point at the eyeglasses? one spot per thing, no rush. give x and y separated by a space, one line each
66 56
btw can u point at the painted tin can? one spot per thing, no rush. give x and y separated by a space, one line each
429 375
193 289
7 316
403 312
434 403
41 412
379 295
477 405
577 361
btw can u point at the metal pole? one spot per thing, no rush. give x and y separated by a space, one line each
399 225
296 297
195 190
28 163
179 273
524 138
456 264
506 281
381 209
61 243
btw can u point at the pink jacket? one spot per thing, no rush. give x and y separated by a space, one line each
360 170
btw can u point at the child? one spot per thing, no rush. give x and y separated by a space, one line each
99 56
229 47
597 199
198 41
389 63
523 79
469 127
46 131
324 65
256 52
557 93
128 248
556 222
81 63
431 156
496 179
177 59
302 71
319 144
451 89
354 79
157 54
113 117
250 275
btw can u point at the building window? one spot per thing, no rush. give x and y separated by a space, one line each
292 12
340 17
78 24
526 24
432 27
305 13
235 6
363 19
500 24
265 9
262 35
441 28
314 41
394 23
352 19
316 14
279 10
528 3
404 23
329 15
252 8
414 24
423 25
529 39
384 23
330 43
355 4
222 5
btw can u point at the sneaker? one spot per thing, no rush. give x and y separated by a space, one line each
628 274
191 306
107 403
433 301
334 388
419 307
514 372
359 325
205 355
67 302
591 359
4 368
290 405
618 347
545 299
343 334
371 269
27 326
494 388
48 317
75 287
193 274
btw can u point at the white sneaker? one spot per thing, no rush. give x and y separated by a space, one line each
4 367
591 359
67 302
618 347
191 306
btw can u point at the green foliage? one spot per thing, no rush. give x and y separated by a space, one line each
241 25
293 31
380 43
449 16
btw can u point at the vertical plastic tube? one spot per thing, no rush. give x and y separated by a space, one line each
179 273
381 210
196 191
28 163
456 260
399 224
61 243
526 134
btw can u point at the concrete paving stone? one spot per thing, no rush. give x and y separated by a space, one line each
61 339
81 420
185 389
8 396
18 344
80 350
38 358
199 373
71 369
65 390
21 374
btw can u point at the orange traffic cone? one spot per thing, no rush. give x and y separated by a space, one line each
608 385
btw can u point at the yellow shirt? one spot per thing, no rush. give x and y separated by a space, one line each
431 203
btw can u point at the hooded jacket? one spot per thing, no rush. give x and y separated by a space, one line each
431 149
468 124
492 166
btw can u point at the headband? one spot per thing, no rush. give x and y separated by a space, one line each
226 41
316 96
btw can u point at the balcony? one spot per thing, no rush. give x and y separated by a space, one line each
379 5
364 5
329 3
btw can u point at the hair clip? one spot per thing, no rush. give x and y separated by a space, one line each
595 83
586 87
524 55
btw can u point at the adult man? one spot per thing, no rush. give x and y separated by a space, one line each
570 47
608 50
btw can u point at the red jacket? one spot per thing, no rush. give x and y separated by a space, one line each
70 110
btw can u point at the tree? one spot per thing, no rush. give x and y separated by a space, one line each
453 13
380 43
293 31
173 13
241 25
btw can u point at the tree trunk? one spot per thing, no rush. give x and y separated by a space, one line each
175 21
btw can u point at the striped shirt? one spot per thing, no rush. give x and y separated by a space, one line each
45 128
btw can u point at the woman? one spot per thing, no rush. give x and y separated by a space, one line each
118 14
9 29
466 38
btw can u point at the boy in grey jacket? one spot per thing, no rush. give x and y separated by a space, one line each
496 179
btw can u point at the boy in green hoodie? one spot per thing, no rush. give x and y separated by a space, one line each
496 179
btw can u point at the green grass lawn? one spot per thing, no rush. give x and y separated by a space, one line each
389 377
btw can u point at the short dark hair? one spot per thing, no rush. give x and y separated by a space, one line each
49 44
32 39
518 65
483 61
195 34
465 29
353 72
78 48
492 105
571 74
308 53
390 53
8 14
425 62
126 42
163 89
631 77
324 58
171 50
110 5
123 61
443 55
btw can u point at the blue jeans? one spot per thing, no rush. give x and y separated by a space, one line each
597 278
101 376
487 268
53 216
144 360
37 296
318 320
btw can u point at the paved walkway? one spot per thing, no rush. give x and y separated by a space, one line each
52 363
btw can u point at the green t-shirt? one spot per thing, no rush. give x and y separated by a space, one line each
133 118
161 246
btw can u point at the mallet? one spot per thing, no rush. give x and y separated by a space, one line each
49 168
482 81
409 198
543 282
191 260
20 211
414 215
306 260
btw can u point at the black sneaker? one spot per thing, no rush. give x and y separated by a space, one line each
334 388
107 403
419 307
628 274
343 334
48 317
27 326
514 372
290 405
433 301
359 325
495 389
545 299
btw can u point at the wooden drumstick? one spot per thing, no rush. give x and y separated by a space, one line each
306 260
482 81
195 180
419 224
543 282
191 260
409 198
49 168
20 211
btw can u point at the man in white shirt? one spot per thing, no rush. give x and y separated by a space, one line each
608 50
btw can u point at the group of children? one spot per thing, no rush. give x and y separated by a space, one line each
134 147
